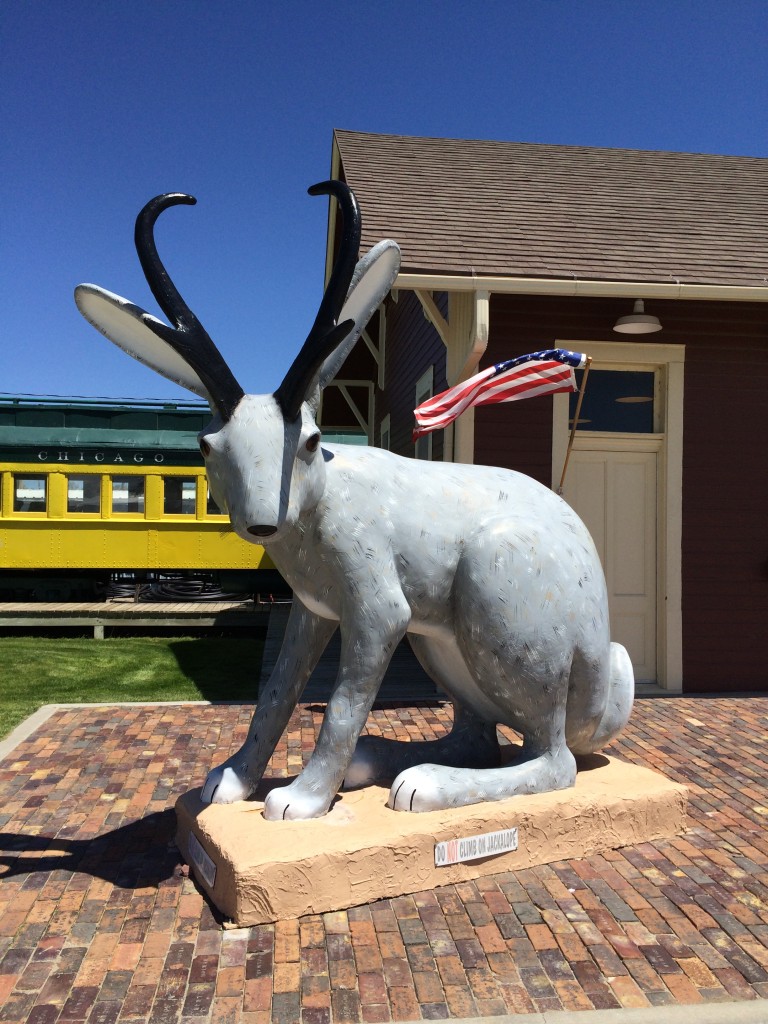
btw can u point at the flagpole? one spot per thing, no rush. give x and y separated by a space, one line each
582 389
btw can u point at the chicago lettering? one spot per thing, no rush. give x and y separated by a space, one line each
44 455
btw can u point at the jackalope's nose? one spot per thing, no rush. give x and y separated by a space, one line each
262 531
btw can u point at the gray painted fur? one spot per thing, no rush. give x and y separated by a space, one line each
492 576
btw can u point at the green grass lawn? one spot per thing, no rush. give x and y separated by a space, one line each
36 671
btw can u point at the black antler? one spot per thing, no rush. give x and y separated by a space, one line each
189 338
326 334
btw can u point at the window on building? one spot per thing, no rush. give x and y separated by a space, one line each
618 401
424 390
84 493
29 493
128 494
179 496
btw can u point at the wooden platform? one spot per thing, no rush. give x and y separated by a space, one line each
128 614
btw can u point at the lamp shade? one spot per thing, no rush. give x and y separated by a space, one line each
638 322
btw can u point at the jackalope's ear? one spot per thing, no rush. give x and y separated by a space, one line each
138 333
183 353
374 276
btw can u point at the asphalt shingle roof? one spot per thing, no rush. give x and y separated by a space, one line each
531 210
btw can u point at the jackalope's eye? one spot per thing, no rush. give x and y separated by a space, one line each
312 443
205 448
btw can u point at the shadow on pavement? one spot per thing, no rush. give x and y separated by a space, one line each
132 856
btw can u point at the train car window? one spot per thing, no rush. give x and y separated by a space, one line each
93 419
181 421
127 493
179 496
133 421
84 493
39 418
29 493
211 507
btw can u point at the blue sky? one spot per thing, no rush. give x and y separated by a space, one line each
104 104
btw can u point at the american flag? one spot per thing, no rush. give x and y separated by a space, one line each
539 373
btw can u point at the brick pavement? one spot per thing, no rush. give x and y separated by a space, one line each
100 923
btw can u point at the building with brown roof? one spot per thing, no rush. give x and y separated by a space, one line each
511 247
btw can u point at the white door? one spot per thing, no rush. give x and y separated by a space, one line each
625 478
614 492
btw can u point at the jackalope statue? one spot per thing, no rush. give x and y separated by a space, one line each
493 577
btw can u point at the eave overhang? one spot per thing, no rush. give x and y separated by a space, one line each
574 287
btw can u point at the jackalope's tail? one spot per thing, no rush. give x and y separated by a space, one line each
618 706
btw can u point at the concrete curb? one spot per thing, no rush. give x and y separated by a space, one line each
25 729
754 1011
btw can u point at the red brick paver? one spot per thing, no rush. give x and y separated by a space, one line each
100 923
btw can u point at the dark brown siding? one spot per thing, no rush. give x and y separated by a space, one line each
725 503
725 467
412 346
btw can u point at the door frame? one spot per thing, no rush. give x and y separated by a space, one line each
668 364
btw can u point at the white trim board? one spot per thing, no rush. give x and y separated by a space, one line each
669 362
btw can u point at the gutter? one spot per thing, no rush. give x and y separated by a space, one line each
576 287
479 334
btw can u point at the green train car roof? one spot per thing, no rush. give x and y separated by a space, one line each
28 421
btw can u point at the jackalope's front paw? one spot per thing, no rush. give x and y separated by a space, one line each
295 802
225 786
422 788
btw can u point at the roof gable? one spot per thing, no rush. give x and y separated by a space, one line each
532 210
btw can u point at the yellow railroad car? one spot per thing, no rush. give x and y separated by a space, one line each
94 487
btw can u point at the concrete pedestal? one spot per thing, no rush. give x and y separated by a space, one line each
257 871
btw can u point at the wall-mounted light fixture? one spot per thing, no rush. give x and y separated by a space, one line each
638 322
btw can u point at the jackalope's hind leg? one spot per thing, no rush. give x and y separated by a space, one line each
432 787
471 743
540 768
534 707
